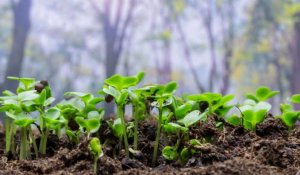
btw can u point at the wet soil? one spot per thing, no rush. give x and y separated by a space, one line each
271 150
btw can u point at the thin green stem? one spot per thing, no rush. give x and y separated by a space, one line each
34 143
7 135
23 146
43 144
135 138
12 135
121 116
157 138
95 165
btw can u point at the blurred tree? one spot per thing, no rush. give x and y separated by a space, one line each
21 27
115 23
295 56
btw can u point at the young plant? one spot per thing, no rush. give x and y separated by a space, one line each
96 150
163 97
263 93
214 102
289 116
18 108
81 114
254 113
117 87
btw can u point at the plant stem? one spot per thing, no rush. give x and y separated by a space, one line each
23 146
7 135
135 138
157 138
43 143
34 143
95 165
121 116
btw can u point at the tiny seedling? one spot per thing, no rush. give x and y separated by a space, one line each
289 116
117 87
263 93
96 150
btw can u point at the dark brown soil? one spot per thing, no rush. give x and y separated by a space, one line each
272 149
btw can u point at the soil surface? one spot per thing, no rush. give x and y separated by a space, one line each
271 150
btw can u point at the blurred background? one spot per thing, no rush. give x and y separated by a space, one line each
226 46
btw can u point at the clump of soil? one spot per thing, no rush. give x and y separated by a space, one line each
272 149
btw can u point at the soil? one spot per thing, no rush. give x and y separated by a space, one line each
272 149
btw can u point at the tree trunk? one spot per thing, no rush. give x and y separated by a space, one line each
295 50
21 27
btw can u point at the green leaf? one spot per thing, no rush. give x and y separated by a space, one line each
24 122
28 95
192 118
194 142
264 93
140 76
49 101
112 91
24 83
8 93
169 153
290 118
285 107
296 98
118 128
174 128
122 82
181 111
81 122
170 88
185 154
96 100
95 147
52 113
93 114
72 136
234 120
93 125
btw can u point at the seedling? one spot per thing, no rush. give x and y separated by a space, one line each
263 93
117 87
289 115
162 96
18 108
82 114
214 102
254 113
96 151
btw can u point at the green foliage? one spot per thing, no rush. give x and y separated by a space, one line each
96 151
80 115
289 116
169 153
254 113
192 118
295 98
262 94
214 102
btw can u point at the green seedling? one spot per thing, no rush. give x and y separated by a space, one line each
96 150
138 107
289 115
162 94
18 108
169 152
192 118
214 102
254 113
81 114
117 87
263 93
